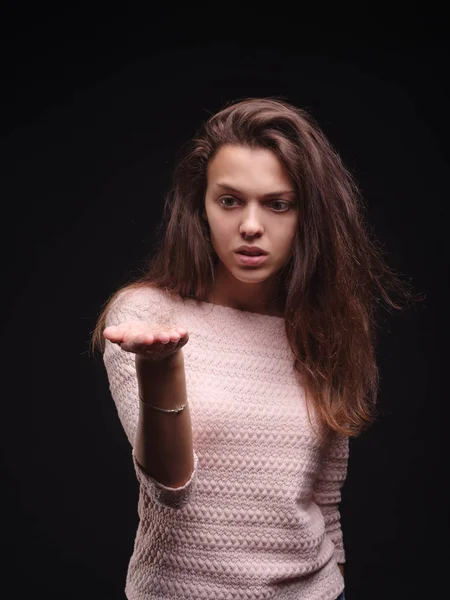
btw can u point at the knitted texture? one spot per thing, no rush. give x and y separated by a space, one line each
259 517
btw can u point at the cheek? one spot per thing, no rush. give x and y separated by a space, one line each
287 236
220 228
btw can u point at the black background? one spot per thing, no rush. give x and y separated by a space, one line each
94 110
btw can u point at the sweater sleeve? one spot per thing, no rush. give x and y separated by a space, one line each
327 489
121 372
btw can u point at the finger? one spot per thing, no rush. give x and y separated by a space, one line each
149 343
117 332
142 338
174 335
113 333
180 333
138 333
168 335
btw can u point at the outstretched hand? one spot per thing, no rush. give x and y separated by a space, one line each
147 341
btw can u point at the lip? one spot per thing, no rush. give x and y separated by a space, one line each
251 249
253 261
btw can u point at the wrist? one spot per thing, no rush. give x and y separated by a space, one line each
173 361
159 382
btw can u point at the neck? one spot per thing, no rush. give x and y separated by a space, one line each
259 297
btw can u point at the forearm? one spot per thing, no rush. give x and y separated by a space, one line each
341 568
163 445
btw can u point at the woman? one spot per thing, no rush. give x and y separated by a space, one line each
243 361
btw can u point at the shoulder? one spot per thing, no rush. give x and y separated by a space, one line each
140 296
139 303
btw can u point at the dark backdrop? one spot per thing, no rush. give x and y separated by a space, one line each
94 110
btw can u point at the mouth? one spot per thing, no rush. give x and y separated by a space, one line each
251 252
251 259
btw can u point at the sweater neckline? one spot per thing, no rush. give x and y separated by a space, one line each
228 310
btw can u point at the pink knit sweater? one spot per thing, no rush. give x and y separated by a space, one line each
259 517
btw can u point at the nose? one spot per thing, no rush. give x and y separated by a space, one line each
251 223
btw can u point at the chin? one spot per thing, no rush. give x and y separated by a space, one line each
249 276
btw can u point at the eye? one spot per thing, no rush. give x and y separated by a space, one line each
287 205
226 198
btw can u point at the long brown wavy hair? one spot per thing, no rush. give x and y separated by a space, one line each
334 282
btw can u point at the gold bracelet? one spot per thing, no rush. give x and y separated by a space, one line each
166 410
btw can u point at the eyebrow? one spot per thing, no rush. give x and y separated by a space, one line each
229 188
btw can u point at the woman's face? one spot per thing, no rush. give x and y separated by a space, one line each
250 200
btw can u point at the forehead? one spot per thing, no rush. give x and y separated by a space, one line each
248 169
